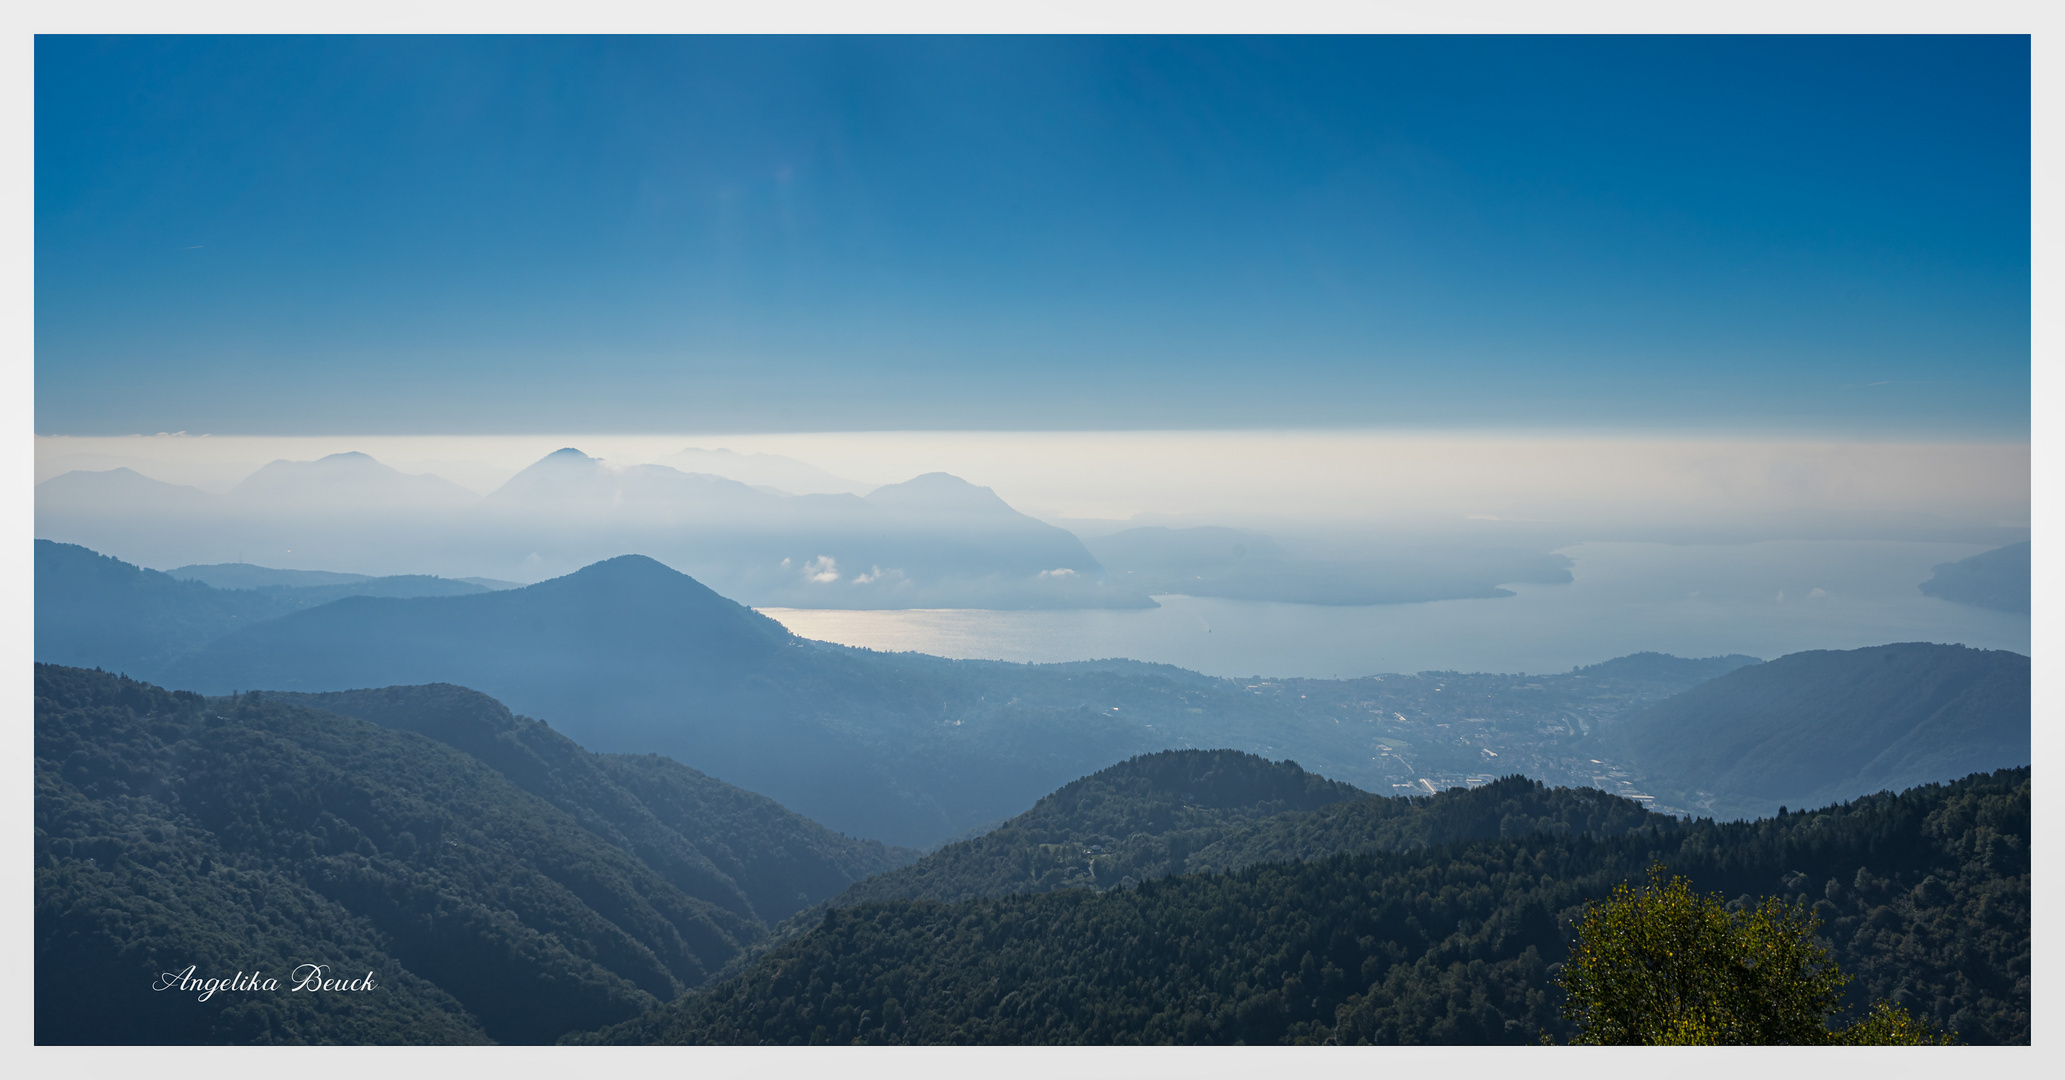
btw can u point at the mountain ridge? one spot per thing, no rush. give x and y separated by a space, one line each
1829 725
514 892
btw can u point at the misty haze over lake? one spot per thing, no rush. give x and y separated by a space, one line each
1763 599
1692 547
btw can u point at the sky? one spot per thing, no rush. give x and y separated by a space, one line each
1822 237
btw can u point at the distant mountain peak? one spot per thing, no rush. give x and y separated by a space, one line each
784 474
349 478
939 491
626 565
106 489
563 474
940 481
349 459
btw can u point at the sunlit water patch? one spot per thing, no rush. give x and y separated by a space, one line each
1763 599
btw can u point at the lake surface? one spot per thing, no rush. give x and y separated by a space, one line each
1764 599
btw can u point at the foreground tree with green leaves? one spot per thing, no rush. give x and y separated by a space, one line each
1663 965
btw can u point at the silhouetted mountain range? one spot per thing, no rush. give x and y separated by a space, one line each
347 483
785 475
629 656
934 541
95 610
1996 579
1821 726
109 497
250 576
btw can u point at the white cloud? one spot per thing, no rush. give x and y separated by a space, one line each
1062 572
824 570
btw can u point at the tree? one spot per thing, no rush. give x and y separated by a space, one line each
1662 965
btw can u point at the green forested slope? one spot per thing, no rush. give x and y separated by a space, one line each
631 656
469 882
1188 810
1138 819
742 851
1510 807
126 889
1925 897
238 834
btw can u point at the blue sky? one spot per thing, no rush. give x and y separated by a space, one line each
265 236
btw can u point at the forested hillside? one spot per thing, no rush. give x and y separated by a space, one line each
742 851
1814 727
1135 820
548 892
629 656
1924 898
1187 810
1512 806
95 610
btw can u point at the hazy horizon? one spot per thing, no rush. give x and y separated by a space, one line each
1297 475
1350 321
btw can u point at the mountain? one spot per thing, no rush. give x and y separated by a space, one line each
743 852
974 532
248 576
1663 669
630 656
345 512
1183 811
1996 579
117 492
1242 564
613 619
344 483
784 474
1817 726
1134 820
1511 806
94 610
933 541
312 587
568 481
99 611
1924 898
497 880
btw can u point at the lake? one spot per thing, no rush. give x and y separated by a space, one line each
1764 599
